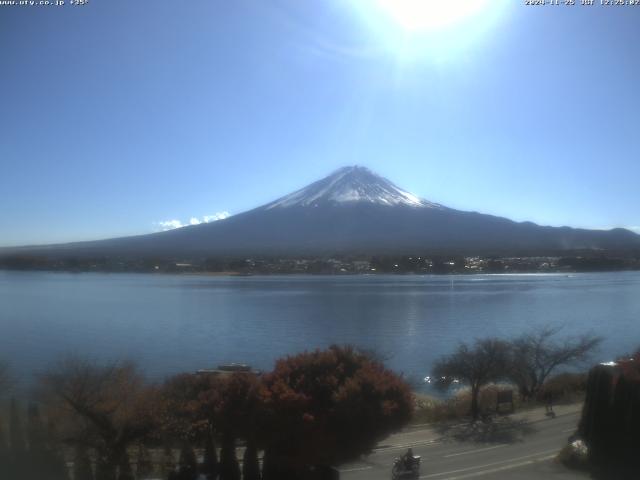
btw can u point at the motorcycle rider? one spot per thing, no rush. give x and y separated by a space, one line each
408 459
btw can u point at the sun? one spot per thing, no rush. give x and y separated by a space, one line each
413 31
431 15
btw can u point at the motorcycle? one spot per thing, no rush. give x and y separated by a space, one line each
402 471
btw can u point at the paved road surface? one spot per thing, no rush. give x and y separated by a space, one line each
515 448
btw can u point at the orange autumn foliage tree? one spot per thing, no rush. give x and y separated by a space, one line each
200 408
326 407
188 406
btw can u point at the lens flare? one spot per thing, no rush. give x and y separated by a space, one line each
431 15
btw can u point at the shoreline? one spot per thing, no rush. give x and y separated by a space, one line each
331 274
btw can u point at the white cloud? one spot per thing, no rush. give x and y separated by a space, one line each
215 216
170 224
635 229
173 224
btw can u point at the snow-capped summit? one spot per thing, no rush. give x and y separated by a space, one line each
350 185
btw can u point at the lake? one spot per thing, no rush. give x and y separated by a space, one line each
175 323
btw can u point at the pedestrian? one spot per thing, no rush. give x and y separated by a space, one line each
548 403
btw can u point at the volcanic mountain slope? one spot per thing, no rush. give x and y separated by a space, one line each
354 210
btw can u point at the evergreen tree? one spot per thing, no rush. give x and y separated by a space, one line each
168 465
269 467
188 464
16 432
4 448
4 455
144 465
36 435
54 462
210 461
82 464
250 464
229 468
105 470
18 466
124 469
55 466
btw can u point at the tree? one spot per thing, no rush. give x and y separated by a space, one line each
537 354
210 460
5 378
55 463
16 432
250 464
167 463
188 415
82 464
4 447
6 465
17 440
327 407
124 469
486 361
187 464
238 413
40 456
610 423
106 408
188 407
36 434
229 469
144 465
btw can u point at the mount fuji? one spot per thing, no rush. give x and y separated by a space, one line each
352 211
351 185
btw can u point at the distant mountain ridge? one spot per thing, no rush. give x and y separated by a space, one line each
351 211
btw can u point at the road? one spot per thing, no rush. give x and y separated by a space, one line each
519 447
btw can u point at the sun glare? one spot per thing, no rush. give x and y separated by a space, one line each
436 29
431 15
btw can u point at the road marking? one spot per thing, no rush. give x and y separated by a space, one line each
433 475
357 469
467 452
418 426
405 445
500 469
569 430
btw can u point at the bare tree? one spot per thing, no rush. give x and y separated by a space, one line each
105 408
483 362
537 354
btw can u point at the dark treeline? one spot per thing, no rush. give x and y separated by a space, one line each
338 264
104 422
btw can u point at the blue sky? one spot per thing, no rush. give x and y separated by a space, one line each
118 115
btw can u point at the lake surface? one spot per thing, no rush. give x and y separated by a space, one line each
175 323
